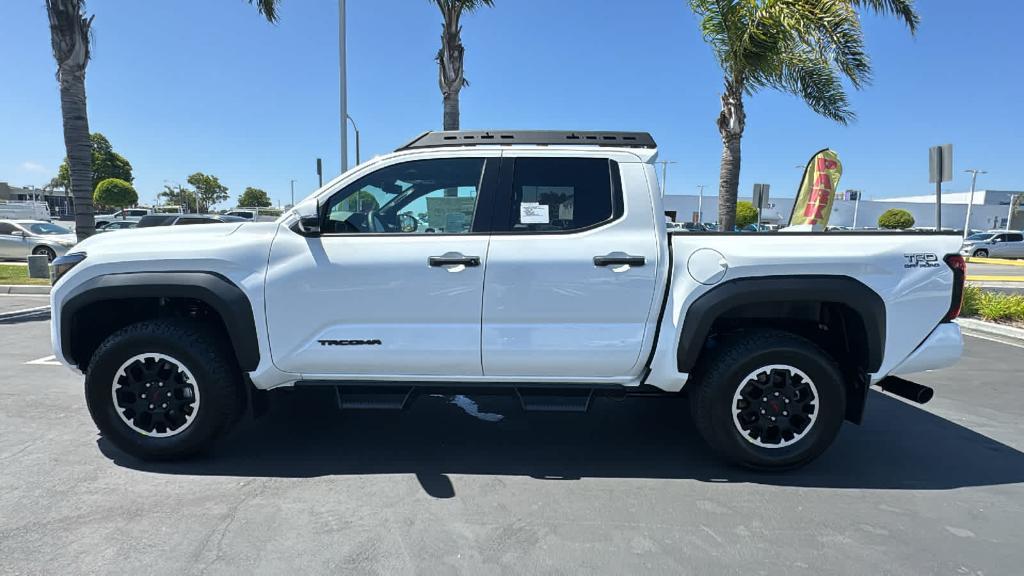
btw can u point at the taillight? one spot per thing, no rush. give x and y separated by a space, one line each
958 265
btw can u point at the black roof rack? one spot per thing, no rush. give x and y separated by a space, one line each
536 137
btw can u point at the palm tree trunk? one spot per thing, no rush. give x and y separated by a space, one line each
731 122
451 110
69 36
79 149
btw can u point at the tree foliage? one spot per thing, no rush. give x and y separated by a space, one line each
209 190
105 164
746 214
115 193
895 219
802 47
254 198
178 195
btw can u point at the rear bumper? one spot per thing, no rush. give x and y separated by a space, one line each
941 349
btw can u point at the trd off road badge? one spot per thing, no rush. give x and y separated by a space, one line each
920 261
350 342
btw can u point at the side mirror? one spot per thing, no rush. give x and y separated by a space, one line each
309 218
18 233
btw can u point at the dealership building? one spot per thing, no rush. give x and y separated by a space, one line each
990 210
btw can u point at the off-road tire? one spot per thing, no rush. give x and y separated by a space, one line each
201 352
726 366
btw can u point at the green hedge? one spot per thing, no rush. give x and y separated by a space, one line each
992 306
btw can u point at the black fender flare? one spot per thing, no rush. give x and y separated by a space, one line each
707 308
227 299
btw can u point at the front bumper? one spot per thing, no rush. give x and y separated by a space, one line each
941 349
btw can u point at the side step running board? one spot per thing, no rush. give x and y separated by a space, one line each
558 400
372 397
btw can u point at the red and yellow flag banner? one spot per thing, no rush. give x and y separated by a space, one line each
813 204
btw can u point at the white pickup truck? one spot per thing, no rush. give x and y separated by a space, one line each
534 262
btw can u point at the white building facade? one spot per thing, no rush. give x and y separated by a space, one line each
991 210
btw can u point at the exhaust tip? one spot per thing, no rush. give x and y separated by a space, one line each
906 389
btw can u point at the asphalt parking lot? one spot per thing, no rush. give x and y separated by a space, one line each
625 489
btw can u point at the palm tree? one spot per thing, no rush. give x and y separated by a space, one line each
802 47
69 36
451 75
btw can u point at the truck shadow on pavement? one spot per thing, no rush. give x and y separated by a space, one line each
899 446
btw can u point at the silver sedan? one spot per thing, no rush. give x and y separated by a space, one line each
21 238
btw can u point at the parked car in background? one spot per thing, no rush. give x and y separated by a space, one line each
117 225
183 219
995 243
21 238
126 215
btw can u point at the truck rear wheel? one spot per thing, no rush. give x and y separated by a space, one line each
163 389
769 399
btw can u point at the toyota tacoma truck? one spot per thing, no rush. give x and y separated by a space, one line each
538 263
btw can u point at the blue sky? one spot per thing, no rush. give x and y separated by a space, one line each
180 86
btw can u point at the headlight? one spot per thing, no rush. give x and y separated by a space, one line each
63 264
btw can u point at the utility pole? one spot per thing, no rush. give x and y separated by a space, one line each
664 175
1009 213
856 209
356 129
343 73
970 204
293 193
700 204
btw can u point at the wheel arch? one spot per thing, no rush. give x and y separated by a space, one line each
839 313
140 292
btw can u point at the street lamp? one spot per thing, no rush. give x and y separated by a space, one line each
700 204
356 129
342 74
664 175
970 204
293 193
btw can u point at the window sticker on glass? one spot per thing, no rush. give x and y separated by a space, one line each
533 213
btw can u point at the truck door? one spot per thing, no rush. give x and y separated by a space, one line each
393 285
571 270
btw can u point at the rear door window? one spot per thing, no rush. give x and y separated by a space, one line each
552 195
1015 237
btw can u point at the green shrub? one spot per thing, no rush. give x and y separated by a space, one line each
895 219
114 192
995 306
746 214
972 300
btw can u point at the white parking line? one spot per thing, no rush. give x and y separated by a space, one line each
45 361
990 339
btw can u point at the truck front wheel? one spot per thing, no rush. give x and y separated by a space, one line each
768 399
163 389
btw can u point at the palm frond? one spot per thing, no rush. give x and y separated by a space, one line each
902 9
267 8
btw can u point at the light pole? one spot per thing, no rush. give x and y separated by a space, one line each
342 73
356 129
293 193
1009 213
664 175
700 204
856 208
970 204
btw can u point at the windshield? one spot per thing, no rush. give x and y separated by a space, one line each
46 229
979 236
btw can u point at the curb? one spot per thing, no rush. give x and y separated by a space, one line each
1003 261
989 278
24 289
990 328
